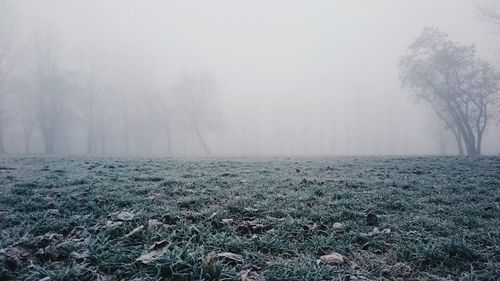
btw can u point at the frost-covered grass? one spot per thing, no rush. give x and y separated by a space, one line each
68 218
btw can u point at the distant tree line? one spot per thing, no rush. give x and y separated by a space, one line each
44 96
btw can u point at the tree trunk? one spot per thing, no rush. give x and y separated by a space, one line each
478 144
169 140
27 149
458 138
103 145
49 146
126 138
48 142
90 136
202 141
2 147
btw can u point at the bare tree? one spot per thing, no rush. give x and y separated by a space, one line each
459 86
52 89
8 58
197 101
104 114
26 108
92 100
162 105
489 14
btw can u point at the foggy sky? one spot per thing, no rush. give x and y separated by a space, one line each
293 77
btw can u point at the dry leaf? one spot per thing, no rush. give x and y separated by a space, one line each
154 224
125 216
137 231
249 275
80 256
212 216
371 219
377 231
156 198
251 209
354 265
113 224
155 252
333 258
78 234
230 257
338 225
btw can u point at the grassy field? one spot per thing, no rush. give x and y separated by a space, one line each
420 218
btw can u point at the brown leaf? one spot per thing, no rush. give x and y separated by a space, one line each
333 258
50 238
136 232
338 225
154 224
125 216
252 227
371 219
354 265
80 256
156 198
213 215
154 252
4 213
251 209
249 275
12 255
78 234
231 257
113 224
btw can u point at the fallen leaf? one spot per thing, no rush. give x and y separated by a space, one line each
80 256
274 218
136 232
251 227
51 252
12 255
50 238
333 258
251 209
386 231
212 216
53 212
338 225
78 234
155 252
231 257
156 198
125 216
113 224
376 231
371 219
4 213
249 275
154 224
354 265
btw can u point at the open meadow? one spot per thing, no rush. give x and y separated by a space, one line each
365 218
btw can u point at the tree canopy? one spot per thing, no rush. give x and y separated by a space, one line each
460 87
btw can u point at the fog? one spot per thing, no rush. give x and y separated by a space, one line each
231 77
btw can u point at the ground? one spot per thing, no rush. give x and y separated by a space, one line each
417 218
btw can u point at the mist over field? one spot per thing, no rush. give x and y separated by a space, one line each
249 140
230 77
